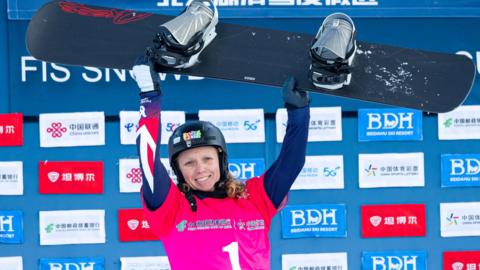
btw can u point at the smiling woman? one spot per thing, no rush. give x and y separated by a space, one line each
199 167
209 220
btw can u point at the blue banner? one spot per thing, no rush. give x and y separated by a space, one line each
36 86
314 220
460 170
389 125
94 263
244 169
398 260
18 10
11 227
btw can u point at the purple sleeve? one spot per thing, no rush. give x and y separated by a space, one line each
283 172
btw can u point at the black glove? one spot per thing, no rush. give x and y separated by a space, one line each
145 74
294 97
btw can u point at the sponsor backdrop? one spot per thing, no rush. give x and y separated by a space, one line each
382 188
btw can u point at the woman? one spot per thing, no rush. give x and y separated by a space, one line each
209 220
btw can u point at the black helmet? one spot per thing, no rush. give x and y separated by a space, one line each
195 134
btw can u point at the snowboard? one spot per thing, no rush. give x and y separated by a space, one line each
83 35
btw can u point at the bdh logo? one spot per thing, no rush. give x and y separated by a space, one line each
313 217
242 170
6 224
390 121
467 166
394 262
72 266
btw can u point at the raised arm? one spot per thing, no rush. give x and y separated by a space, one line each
283 172
156 181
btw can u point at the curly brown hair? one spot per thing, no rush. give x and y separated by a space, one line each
234 188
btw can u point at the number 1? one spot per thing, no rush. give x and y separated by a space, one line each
232 250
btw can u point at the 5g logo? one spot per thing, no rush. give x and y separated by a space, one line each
172 126
330 172
248 125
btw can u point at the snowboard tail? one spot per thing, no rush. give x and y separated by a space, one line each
82 35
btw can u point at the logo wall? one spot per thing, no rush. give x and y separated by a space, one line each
321 172
325 124
238 126
11 178
393 220
72 129
460 170
145 263
170 120
462 123
461 260
389 125
131 174
394 260
72 227
132 226
460 219
11 129
71 177
11 227
11 263
94 263
336 260
316 220
391 170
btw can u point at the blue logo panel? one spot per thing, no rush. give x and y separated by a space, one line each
398 260
316 220
244 169
389 125
460 170
11 227
94 263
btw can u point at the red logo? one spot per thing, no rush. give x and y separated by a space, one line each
461 260
11 129
118 16
135 175
393 220
133 226
56 177
56 130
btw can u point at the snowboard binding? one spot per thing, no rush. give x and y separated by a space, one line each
332 52
180 41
